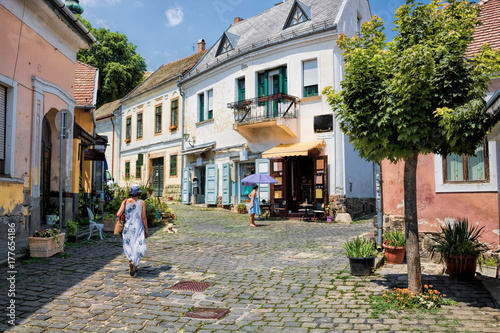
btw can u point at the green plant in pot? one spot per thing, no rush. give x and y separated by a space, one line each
459 246
394 246
241 208
72 228
361 253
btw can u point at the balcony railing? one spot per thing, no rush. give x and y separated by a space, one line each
264 108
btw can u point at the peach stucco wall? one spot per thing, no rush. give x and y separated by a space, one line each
23 56
479 208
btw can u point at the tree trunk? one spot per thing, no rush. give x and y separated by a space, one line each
411 224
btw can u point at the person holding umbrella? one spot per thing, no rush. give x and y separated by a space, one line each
254 205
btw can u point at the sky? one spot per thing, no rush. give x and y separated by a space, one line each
167 30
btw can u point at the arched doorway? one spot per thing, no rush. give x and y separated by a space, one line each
45 168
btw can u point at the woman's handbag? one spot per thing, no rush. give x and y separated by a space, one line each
119 225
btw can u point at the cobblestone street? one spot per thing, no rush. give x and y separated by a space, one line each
284 276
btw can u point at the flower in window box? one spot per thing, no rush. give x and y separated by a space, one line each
127 140
173 128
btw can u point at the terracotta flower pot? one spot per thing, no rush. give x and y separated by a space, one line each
461 267
45 247
394 254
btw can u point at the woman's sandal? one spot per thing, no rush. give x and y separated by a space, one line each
132 269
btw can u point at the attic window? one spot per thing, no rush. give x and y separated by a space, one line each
225 46
297 15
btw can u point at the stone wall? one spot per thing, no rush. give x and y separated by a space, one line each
172 191
356 207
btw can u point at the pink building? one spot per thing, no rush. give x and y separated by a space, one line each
454 186
39 41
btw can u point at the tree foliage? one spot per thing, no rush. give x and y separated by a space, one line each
120 68
418 92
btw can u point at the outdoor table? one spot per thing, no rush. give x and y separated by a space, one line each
267 206
306 208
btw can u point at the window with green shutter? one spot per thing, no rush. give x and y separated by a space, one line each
174 113
201 101
139 125
158 119
241 89
138 167
127 169
173 165
128 130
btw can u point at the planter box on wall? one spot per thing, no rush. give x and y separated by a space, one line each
44 247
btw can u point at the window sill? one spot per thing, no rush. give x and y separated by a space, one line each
205 122
310 98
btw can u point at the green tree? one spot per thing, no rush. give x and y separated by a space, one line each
121 69
416 94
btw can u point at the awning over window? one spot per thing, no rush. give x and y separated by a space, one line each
292 149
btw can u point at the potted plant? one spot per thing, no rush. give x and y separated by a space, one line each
72 228
330 213
47 242
52 214
361 253
394 246
109 222
241 208
459 247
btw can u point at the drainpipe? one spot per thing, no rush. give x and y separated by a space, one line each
112 149
378 186
183 95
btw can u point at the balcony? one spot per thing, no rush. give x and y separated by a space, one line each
277 111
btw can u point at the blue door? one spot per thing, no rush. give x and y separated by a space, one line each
226 184
211 184
262 166
186 185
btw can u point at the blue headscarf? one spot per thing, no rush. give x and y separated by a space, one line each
135 190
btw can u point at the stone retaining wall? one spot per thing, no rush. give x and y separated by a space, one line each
173 191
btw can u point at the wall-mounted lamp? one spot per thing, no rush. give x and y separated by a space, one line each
186 138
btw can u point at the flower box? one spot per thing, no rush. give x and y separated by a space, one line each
172 128
127 140
44 247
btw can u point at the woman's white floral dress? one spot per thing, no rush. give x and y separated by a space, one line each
134 240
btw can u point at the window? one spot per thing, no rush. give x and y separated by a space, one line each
139 125
127 170
224 46
297 15
174 113
201 100
241 89
210 100
158 119
310 72
3 127
128 129
138 170
463 168
173 165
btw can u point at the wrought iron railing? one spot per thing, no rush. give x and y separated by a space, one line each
264 108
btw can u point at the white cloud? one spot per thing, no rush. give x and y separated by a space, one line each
174 16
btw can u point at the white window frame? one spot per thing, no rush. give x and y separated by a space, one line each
206 105
10 124
491 186
304 78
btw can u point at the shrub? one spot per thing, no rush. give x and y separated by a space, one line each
360 247
72 227
394 238
458 239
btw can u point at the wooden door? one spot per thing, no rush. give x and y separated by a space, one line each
211 184
158 169
320 193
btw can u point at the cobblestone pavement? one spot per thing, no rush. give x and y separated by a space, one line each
285 276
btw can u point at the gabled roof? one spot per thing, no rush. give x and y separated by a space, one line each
489 31
269 27
165 74
107 109
85 84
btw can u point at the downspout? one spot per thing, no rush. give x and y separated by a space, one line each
113 148
378 187
183 95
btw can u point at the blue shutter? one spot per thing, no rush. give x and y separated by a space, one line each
186 185
226 184
211 184
262 166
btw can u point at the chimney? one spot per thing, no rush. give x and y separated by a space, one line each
201 45
237 19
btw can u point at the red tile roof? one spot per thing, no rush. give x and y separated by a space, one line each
85 83
489 31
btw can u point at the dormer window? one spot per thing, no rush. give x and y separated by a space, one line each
297 15
224 46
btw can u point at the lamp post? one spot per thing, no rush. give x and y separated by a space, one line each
186 138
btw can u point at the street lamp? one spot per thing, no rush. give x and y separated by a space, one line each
186 138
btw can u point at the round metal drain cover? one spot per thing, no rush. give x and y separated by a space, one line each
207 313
193 286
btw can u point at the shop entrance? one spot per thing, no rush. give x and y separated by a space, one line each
302 183
199 172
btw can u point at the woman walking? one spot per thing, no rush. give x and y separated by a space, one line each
135 229
254 206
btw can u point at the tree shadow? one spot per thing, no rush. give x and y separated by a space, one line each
472 293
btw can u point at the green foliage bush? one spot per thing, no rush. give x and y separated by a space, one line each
360 247
458 239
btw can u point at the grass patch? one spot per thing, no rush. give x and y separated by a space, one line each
36 260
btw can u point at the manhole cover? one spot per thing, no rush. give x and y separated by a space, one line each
194 286
207 313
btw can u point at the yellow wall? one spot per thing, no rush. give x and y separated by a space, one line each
84 119
15 197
